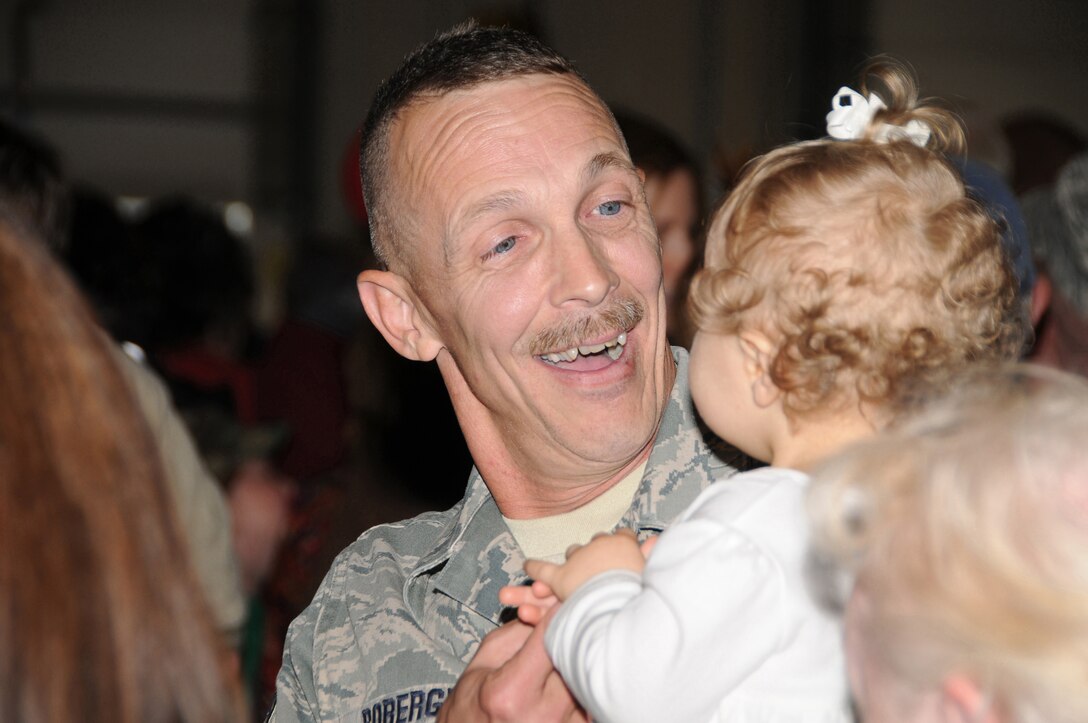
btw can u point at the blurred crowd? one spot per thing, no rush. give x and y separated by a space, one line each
278 446
129 334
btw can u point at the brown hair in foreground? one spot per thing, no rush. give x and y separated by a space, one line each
967 528
101 618
866 261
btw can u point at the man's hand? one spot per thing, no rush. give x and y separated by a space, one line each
618 550
511 678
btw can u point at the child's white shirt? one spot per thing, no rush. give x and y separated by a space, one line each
719 627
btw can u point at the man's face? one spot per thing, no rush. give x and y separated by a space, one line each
528 237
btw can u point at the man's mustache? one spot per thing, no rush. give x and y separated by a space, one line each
619 315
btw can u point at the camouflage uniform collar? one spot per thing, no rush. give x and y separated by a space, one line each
477 554
679 449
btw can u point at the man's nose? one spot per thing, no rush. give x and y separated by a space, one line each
583 273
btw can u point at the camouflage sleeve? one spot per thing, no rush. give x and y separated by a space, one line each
296 684
296 695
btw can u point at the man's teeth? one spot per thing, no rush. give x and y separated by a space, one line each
613 347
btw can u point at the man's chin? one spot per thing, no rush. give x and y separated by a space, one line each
610 445
610 426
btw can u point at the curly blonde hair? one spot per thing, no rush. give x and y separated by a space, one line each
867 262
966 525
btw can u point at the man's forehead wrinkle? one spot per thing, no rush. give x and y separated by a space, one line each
434 134
446 134
425 138
501 201
447 252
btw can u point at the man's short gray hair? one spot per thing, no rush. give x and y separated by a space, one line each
463 57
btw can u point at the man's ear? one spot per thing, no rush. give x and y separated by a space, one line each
963 702
396 312
758 354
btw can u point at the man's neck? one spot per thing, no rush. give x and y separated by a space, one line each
526 486
520 498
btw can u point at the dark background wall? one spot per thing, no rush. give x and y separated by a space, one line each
255 100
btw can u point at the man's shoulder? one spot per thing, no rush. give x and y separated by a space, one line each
405 538
393 549
365 644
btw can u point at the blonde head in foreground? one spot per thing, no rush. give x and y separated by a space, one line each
967 530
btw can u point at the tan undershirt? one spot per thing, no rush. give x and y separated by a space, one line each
547 538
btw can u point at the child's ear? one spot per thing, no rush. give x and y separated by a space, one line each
963 702
758 354
397 313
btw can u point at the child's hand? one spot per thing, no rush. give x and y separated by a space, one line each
604 552
532 601
648 544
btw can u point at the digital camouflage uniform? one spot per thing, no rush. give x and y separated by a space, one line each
404 608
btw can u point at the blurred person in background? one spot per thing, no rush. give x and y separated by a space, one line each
206 344
102 617
1040 145
673 191
32 185
986 186
34 193
203 338
105 257
964 531
1057 218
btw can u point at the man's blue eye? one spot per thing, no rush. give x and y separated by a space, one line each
505 245
610 208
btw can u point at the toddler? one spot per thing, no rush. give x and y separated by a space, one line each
839 274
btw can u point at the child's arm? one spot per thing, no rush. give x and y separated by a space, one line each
671 643
603 552
616 551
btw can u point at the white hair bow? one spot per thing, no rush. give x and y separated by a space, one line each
851 113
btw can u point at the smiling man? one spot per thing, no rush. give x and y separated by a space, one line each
521 258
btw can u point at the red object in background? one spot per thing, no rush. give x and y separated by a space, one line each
301 382
207 370
351 183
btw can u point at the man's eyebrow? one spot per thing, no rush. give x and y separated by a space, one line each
505 200
603 161
501 201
